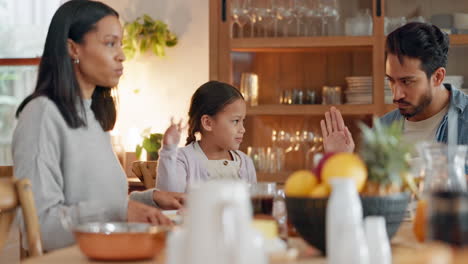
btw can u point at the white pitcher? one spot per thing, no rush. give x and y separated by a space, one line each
217 228
345 240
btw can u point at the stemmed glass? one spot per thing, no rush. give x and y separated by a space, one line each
265 17
299 11
285 15
240 16
328 10
312 17
252 13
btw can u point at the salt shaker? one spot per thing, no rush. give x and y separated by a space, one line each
353 248
377 240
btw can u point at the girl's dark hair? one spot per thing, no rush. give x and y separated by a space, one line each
422 41
56 78
209 99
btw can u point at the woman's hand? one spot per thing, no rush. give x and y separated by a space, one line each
336 136
138 212
169 200
172 134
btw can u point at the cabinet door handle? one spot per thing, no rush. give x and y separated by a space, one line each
223 10
378 6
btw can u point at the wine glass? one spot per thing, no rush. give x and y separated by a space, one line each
252 15
328 10
299 11
285 15
265 17
240 16
312 18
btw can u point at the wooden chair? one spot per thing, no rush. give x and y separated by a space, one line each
16 193
146 172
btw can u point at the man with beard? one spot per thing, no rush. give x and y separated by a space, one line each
416 58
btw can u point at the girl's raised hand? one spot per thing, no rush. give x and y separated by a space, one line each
173 132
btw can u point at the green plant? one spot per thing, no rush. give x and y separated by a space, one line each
151 143
145 33
386 156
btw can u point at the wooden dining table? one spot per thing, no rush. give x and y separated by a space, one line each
405 250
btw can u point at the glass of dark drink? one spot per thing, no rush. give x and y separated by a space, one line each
448 217
262 195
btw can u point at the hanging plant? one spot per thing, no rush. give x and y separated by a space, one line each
144 34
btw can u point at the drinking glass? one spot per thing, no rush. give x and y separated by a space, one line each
262 195
328 10
285 16
265 18
299 11
249 88
252 15
239 16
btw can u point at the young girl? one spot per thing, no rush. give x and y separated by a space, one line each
217 112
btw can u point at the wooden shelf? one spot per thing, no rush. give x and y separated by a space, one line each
390 107
459 39
19 61
298 43
277 109
279 177
301 43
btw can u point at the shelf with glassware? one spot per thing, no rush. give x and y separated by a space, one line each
298 43
280 109
279 144
451 16
307 82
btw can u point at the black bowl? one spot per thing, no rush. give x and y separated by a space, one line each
308 215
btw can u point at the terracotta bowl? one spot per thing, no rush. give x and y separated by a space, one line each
120 241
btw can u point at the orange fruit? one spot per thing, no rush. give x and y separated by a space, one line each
320 191
419 225
300 183
345 165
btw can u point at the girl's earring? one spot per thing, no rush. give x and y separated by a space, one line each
76 61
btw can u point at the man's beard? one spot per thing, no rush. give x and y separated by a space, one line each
414 110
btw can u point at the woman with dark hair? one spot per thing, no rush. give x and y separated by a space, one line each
217 113
62 142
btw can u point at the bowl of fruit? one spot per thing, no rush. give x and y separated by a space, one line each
380 182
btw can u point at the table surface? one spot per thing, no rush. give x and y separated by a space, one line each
405 250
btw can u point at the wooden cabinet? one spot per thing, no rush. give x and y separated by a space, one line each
311 62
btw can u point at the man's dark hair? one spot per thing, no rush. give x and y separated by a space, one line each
421 41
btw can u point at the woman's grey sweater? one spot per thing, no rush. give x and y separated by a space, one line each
71 170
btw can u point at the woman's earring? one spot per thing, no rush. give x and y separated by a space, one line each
76 61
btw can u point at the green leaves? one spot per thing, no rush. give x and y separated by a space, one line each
384 152
144 34
151 143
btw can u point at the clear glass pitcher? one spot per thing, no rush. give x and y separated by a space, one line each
444 166
443 206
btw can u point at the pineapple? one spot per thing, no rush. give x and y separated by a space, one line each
386 157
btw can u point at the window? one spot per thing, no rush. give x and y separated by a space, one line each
23 27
